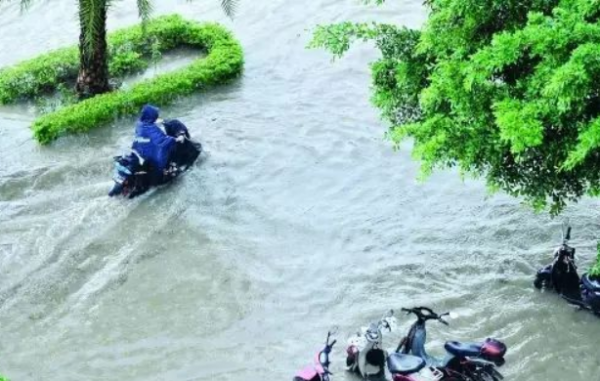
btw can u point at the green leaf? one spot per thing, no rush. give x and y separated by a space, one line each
519 124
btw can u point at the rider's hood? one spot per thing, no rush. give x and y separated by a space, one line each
149 114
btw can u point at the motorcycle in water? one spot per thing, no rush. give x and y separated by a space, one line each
319 371
561 276
133 176
464 361
365 354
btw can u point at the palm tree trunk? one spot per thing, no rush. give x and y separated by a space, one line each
93 69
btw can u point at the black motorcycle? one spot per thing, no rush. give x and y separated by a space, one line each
133 176
561 276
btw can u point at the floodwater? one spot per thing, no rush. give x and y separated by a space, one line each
300 217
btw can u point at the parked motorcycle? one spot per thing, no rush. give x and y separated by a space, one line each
365 353
561 275
320 370
464 361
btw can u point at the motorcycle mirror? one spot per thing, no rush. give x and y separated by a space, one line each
393 324
390 323
333 331
568 237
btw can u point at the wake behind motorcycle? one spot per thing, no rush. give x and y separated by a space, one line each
320 371
464 361
134 176
561 276
365 353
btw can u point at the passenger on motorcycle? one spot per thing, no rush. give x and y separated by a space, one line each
151 144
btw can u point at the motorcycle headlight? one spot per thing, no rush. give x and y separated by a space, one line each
372 336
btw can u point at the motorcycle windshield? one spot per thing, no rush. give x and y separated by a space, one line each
120 173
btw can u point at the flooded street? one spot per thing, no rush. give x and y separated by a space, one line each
299 217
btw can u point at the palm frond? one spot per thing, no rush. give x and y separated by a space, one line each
229 7
92 18
144 10
24 4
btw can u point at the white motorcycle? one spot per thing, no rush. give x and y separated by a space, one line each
365 353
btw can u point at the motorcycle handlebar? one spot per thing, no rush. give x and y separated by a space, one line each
331 333
431 315
327 350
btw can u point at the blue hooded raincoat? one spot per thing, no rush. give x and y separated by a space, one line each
151 142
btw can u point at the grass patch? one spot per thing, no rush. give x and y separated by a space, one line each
130 51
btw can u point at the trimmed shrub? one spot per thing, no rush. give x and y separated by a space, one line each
130 50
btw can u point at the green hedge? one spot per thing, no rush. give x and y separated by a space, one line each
130 50
38 75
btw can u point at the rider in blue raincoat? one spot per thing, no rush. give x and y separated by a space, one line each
151 143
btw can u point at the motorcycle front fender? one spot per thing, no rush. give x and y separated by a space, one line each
545 271
117 189
543 277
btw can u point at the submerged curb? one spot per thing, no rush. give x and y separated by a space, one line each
223 62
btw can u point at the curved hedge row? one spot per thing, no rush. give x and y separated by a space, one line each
128 48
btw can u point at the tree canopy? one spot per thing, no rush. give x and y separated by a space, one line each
506 90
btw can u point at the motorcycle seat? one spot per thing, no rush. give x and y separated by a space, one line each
399 363
590 284
463 349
